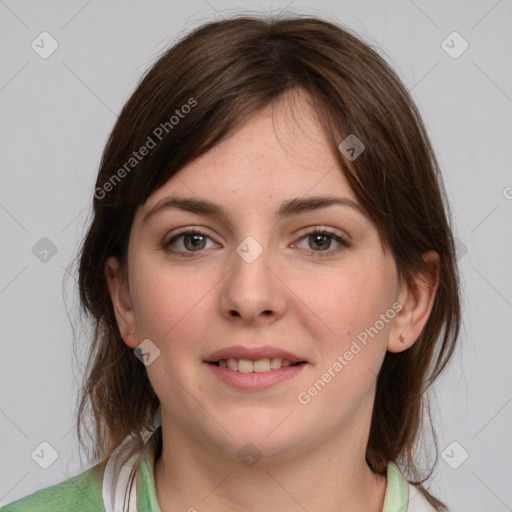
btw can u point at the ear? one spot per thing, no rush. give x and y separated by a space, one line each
417 300
121 301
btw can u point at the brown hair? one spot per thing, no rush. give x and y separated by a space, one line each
225 71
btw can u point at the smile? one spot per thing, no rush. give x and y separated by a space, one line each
258 375
257 366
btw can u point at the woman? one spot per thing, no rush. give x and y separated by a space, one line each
271 274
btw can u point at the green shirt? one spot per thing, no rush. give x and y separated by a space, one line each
83 493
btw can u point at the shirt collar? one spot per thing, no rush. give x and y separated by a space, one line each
396 498
397 490
146 490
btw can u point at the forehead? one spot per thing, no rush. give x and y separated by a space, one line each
279 153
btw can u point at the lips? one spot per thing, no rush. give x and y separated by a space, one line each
254 369
253 354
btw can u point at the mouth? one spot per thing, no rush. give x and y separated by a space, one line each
255 366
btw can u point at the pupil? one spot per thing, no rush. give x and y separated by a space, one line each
194 241
321 240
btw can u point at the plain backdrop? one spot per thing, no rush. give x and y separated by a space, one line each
56 112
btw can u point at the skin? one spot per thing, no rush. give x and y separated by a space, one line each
290 297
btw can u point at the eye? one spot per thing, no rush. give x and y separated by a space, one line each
189 242
195 240
321 240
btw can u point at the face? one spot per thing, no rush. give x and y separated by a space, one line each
261 273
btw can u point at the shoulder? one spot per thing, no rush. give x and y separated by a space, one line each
81 493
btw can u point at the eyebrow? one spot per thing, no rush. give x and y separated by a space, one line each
286 208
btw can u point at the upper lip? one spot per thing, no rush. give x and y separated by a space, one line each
240 352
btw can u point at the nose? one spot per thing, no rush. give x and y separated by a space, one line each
253 292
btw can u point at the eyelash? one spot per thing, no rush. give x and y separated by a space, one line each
344 244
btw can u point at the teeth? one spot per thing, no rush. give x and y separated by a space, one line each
275 363
261 365
258 366
245 366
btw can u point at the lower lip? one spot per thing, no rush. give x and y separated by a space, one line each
255 381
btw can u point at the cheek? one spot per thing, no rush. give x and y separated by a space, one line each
345 306
351 340
168 304
350 302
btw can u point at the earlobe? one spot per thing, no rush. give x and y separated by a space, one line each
120 297
417 300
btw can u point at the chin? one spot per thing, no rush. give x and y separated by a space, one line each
265 435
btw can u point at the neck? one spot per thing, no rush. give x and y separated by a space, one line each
332 477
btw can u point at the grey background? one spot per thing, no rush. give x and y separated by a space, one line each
56 114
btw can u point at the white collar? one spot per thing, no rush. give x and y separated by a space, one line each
121 472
